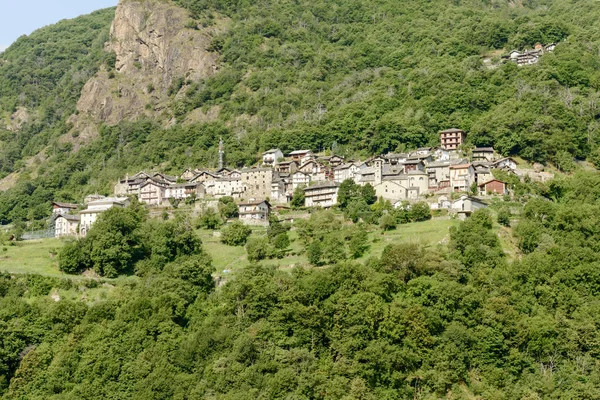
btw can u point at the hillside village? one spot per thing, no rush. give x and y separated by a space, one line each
442 176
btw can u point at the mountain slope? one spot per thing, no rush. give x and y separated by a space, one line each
41 77
367 77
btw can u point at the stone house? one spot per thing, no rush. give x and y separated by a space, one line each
483 173
255 212
335 161
65 225
438 175
188 174
483 154
322 194
203 176
257 182
287 167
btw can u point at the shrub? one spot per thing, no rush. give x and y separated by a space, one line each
235 234
504 217
387 222
257 249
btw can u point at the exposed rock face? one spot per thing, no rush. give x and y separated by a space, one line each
153 47
16 120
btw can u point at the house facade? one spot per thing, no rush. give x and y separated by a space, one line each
323 194
461 177
181 191
494 186
63 208
153 192
255 212
89 216
483 154
65 225
272 157
257 182
451 139
466 205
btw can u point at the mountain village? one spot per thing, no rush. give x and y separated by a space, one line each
442 176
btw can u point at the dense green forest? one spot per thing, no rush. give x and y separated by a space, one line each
362 77
457 321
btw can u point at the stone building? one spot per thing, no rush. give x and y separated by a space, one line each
257 182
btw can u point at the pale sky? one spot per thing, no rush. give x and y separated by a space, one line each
21 17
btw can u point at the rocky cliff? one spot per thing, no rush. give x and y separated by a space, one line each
154 45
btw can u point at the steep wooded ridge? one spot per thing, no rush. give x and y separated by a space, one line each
370 77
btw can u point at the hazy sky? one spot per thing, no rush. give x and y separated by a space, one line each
21 17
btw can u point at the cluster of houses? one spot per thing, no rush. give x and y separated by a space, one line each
68 220
529 56
395 176
398 177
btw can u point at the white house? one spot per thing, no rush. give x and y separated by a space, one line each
442 204
89 216
65 225
223 187
506 163
271 157
466 205
300 178
182 191
345 171
255 212
63 208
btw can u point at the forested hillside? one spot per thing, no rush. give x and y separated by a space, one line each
41 77
364 77
460 321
